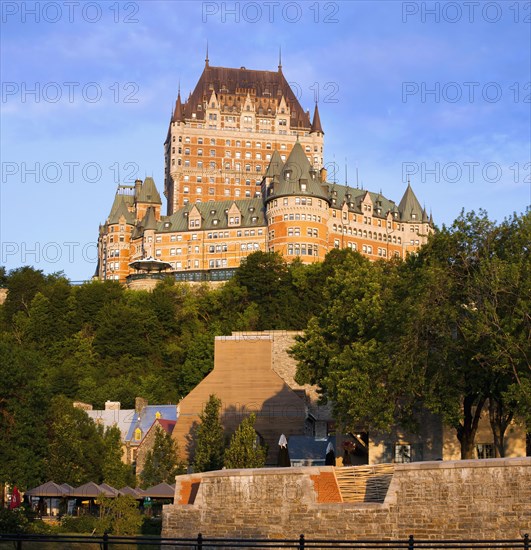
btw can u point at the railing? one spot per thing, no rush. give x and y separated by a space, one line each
105 542
191 276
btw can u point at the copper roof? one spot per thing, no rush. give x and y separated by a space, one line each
268 86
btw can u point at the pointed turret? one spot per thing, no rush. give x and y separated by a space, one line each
120 208
298 177
316 123
178 113
275 166
409 207
148 193
149 221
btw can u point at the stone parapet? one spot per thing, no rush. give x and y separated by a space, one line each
480 499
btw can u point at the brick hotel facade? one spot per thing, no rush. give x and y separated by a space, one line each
244 172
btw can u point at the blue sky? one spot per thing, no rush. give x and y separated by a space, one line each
439 91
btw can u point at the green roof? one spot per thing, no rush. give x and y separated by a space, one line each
275 166
148 192
214 215
409 207
120 207
298 177
149 221
341 194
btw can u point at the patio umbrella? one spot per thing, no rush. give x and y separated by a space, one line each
129 491
330 457
48 489
283 453
89 490
67 488
108 491
162 490
16 499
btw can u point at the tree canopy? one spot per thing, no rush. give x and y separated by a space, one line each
449 328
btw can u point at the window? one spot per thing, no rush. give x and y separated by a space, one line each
402 453
485 450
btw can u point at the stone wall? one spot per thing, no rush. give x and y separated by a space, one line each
434 500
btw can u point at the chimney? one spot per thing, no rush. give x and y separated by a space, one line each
140 404
323 174
112 405
138 187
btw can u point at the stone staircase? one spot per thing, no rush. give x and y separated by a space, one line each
364 483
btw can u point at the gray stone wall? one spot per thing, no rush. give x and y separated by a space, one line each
434 500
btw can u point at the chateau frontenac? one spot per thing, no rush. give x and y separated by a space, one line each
244 171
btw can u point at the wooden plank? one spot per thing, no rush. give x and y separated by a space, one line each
364 483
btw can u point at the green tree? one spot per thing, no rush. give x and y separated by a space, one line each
353 349
119 516
268 283
88 299
23 403
76 450
468 316
162 461
115 472
209 438
22 285
245 449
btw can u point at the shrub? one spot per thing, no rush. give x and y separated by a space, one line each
81 524
13 521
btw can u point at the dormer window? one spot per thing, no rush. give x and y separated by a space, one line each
287 174
303 187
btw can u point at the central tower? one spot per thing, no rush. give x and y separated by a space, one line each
222 138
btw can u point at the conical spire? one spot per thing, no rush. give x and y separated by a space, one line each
280 59
409 206
425 218
149 192
275 166
119 209
316 123
178 115
206 58
298 177
149 221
